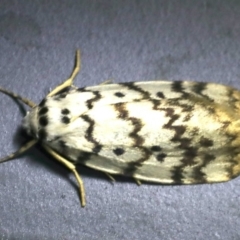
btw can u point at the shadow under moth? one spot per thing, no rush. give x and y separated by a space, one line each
169 132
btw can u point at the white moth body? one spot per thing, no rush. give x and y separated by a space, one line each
159 131
170 132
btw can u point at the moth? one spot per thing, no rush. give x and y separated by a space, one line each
169 132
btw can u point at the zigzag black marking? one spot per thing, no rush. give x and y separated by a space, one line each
138 140
184 143
136 123
176 86
82 89
89 134
156 103
84 157
198 175
90 102
132 86
232 98
199 87
234 160
231 151
133 166
190 152
146 95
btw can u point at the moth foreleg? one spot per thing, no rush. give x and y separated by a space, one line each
68 82
112 179
106 82
21 150
138 182
72 168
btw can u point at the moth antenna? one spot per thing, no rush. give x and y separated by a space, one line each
28 145
21 150
68 82
16 96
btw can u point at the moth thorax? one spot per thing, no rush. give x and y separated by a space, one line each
30 122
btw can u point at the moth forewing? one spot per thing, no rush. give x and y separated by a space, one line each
170 132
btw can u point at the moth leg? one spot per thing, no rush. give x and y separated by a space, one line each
138 182
106 82
68 82
112 179
72 168
21 150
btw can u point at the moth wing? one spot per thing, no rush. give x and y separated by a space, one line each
171 171
161 89
168 132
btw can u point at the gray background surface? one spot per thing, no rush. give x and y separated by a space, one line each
125 41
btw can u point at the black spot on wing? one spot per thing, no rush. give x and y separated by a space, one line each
199 87
156 148
42 103
177 86
65 120
42 134
119 94
160 95
118 151
43 110
161 157
43 121
65 111
206 142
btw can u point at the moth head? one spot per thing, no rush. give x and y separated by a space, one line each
27 123
30 122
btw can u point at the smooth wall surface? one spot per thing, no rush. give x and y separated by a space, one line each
124 41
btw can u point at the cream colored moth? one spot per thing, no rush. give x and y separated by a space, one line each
169 132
